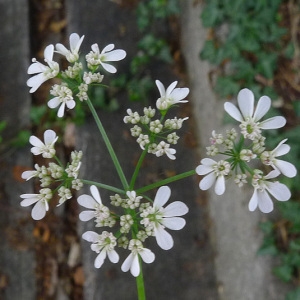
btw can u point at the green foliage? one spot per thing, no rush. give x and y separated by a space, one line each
2 126
246 42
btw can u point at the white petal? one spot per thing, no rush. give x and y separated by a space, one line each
70 104
28 175
162 196
203 169
246 102
174 223
127 263
265 203
286 168
48 52
179 94
263 106
29 200
115 55
36 81
273 174
54 102
233 111
61 49
109 68
253 201
74 39
61 110
176 208
113 256
49 137
220 185
135 266
87 201
37 67
147 256
95 48
100 259
87 215
95 193
273 123
207 181
161 88
34 141
36 150
279 191
170 88
108 48
90 236
163 238
39 210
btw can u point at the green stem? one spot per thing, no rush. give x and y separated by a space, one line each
108 145
140 283
103 186
137 169
165 181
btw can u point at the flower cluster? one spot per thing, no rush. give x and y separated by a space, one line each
75 79
157 135
140 221
53 177
241 150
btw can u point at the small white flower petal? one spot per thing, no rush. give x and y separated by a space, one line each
36 81
61 110
265 203
90 236
203 169
54 102
163 238
147 256
273 174
115 55
34 141
273 123
29 199
180 93
39 210
86 201
279 191
253 201
233 111
161 88
95 193
36 67
208 181
113 256
70 104
174 223
246 102
48 52
86 215
100 259
107 48
220 185
28 175
175 209
49 137
162 196
61 49
286 168
170 88
109 68
135 266
127 263
263 106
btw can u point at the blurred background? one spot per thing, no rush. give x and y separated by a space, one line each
213 47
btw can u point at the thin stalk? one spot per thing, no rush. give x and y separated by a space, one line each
109 146
137 169
140 283
165 181
103 186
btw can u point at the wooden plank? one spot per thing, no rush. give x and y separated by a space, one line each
16 253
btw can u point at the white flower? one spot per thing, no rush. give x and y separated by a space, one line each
71 55
164 148
250 125
99 211
63 97
284 167
262 189
95 58
47 148
170 96
31 173
159 218
103 244
41 203
216 172
43 72
132 261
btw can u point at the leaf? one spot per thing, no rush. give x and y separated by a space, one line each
283 272
293 295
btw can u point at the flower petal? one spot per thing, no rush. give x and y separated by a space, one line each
95 193
203 169
54 102
161 88
36 81
233 111
278 190
107 48
87 215
34 141
207 181
49 137
176 208
265 203
29 199
163 238
174 223
90 236
100 259
220 185
86 201
39 210
48 52
273 123
127 262
162 196
114 55
135 266
170 88
286 168
147 256
109 68
263 106
61 110
253 201
113 256
246 102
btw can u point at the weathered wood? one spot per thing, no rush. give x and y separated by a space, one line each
16 251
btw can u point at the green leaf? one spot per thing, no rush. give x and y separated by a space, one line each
209 52
293 295
283 272
226 86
